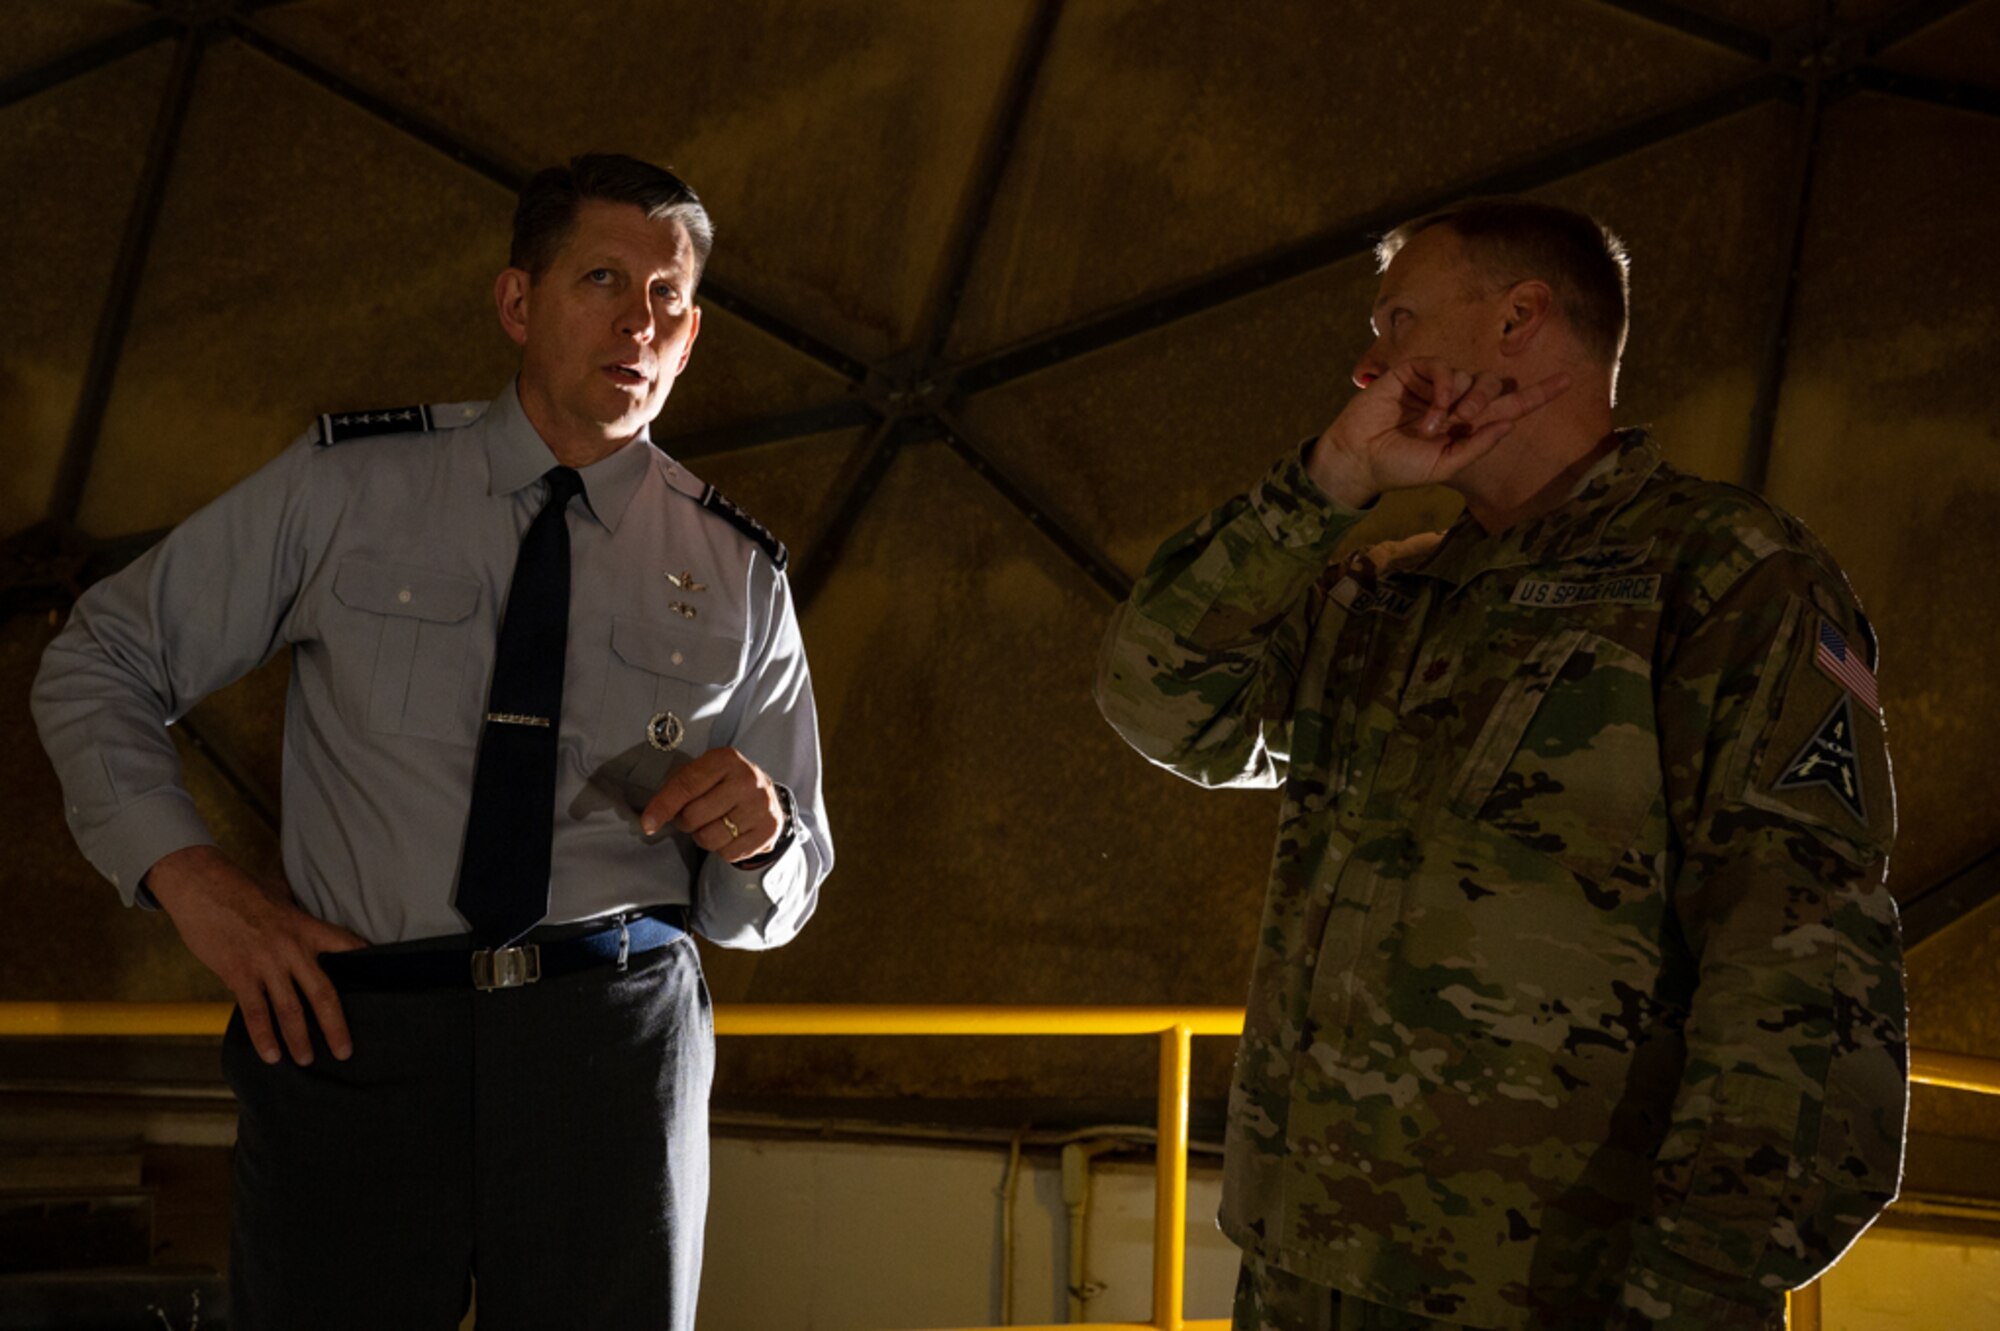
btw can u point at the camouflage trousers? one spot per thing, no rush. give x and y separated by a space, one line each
1268 1299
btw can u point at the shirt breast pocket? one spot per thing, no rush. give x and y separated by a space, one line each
670 669
1568 760
422 633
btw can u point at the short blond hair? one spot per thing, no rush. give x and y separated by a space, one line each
1513 240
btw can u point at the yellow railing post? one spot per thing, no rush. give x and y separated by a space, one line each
1173 1025
1170 1188
1802 1308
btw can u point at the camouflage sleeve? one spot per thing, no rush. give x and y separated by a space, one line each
1198 664
1787 1128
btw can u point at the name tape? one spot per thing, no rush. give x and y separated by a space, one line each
1643 590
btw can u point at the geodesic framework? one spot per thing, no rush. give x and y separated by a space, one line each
901 383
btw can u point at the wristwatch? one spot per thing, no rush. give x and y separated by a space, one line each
788 827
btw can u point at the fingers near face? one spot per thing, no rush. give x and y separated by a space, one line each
1518 403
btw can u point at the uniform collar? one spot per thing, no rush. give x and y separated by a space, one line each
516 457
1569 529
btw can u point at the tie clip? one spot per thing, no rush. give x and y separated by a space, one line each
517 719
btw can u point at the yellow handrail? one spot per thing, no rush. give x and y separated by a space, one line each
158 1019
1175 1026
1962 1072
184 1019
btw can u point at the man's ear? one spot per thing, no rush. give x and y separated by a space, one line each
510 299
687 348
1526 310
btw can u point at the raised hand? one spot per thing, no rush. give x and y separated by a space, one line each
261 945
1420 424
724 801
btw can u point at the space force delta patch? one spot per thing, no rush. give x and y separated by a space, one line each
1829 759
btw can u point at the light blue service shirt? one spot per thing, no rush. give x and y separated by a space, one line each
383 564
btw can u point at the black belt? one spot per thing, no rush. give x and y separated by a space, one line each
543 954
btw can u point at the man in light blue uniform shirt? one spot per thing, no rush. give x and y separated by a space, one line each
530 1110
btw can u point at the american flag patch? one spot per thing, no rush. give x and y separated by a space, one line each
1845 667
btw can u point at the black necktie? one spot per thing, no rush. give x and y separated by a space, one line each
503 877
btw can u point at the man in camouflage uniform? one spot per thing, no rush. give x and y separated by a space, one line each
1578 996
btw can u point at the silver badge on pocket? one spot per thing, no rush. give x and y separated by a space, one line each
665 732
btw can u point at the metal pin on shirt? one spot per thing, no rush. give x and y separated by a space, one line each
665 732
685 581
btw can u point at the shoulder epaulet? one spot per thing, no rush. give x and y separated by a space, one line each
712 499
339 427
717 503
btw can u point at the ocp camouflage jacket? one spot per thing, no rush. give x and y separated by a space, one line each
1578 995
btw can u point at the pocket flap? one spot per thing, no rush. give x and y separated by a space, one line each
398 589
1508 721
1739 1175
668 649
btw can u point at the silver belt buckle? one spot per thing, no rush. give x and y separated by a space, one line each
506 967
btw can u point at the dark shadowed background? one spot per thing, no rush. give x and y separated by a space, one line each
1005 291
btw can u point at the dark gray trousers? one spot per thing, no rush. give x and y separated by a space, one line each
550 1141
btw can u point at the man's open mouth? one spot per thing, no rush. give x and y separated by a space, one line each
626 374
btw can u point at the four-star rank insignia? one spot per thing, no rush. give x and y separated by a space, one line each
1828 759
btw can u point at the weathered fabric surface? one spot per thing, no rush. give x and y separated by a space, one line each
1579 994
